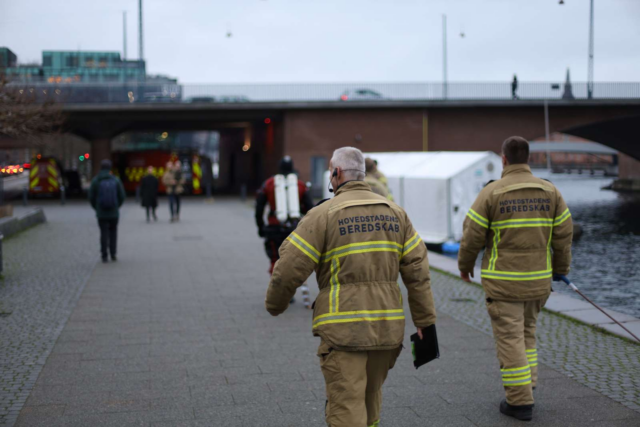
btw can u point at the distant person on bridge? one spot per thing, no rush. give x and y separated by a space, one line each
358 243
514 87
106 195
527 228
149 193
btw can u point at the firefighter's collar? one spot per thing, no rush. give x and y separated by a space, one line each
519 168
351 186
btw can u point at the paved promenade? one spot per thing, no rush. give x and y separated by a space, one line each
175 334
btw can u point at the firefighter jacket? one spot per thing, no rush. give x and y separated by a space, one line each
357 243
526 228
377 187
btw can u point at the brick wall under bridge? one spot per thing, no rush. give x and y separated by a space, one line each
316 133
311 131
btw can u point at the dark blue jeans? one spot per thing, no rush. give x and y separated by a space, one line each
174 204
108 236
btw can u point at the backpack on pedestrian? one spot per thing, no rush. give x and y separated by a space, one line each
108 194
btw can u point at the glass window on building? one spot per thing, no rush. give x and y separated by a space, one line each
72 61
102 61
47 61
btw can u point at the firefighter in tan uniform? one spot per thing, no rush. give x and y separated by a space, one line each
526 228
376 180
357 243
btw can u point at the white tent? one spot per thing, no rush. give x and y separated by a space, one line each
437 188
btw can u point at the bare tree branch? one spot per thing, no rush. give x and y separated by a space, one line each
27 114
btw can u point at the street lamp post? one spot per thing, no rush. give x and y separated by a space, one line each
590 70
444 56
591 49
546 133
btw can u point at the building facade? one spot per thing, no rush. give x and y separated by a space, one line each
74 67
7 58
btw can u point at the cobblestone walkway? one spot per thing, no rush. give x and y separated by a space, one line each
600 361
45 269
175 334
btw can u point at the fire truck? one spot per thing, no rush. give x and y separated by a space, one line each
45 177
131 166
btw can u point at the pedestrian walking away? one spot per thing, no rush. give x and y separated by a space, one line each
174 181
288 199
149 193
106 195
527 229
357 243
277 229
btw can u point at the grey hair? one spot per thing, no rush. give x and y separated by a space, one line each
351 161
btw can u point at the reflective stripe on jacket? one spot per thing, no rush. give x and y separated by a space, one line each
526 228
357 243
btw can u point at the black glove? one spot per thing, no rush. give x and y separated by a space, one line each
261 231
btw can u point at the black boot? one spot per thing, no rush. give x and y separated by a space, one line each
522 413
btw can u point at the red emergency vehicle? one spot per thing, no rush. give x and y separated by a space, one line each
45 177
131 166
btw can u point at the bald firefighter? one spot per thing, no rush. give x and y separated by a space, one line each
357 243
526 228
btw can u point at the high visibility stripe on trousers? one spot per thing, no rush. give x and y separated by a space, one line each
514 377
532 357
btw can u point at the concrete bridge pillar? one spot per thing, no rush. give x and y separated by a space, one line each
100 150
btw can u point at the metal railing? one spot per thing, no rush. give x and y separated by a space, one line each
318 92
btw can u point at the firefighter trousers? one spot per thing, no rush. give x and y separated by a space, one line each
354 384
514 331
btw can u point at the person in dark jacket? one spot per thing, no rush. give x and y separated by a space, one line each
106 195
149 193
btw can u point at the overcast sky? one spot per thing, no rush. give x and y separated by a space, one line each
339 40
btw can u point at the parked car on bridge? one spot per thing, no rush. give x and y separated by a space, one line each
232 98
198 99
361 95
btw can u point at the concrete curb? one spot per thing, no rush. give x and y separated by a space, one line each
575 309
15 224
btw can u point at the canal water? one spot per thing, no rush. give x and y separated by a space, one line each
606 259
